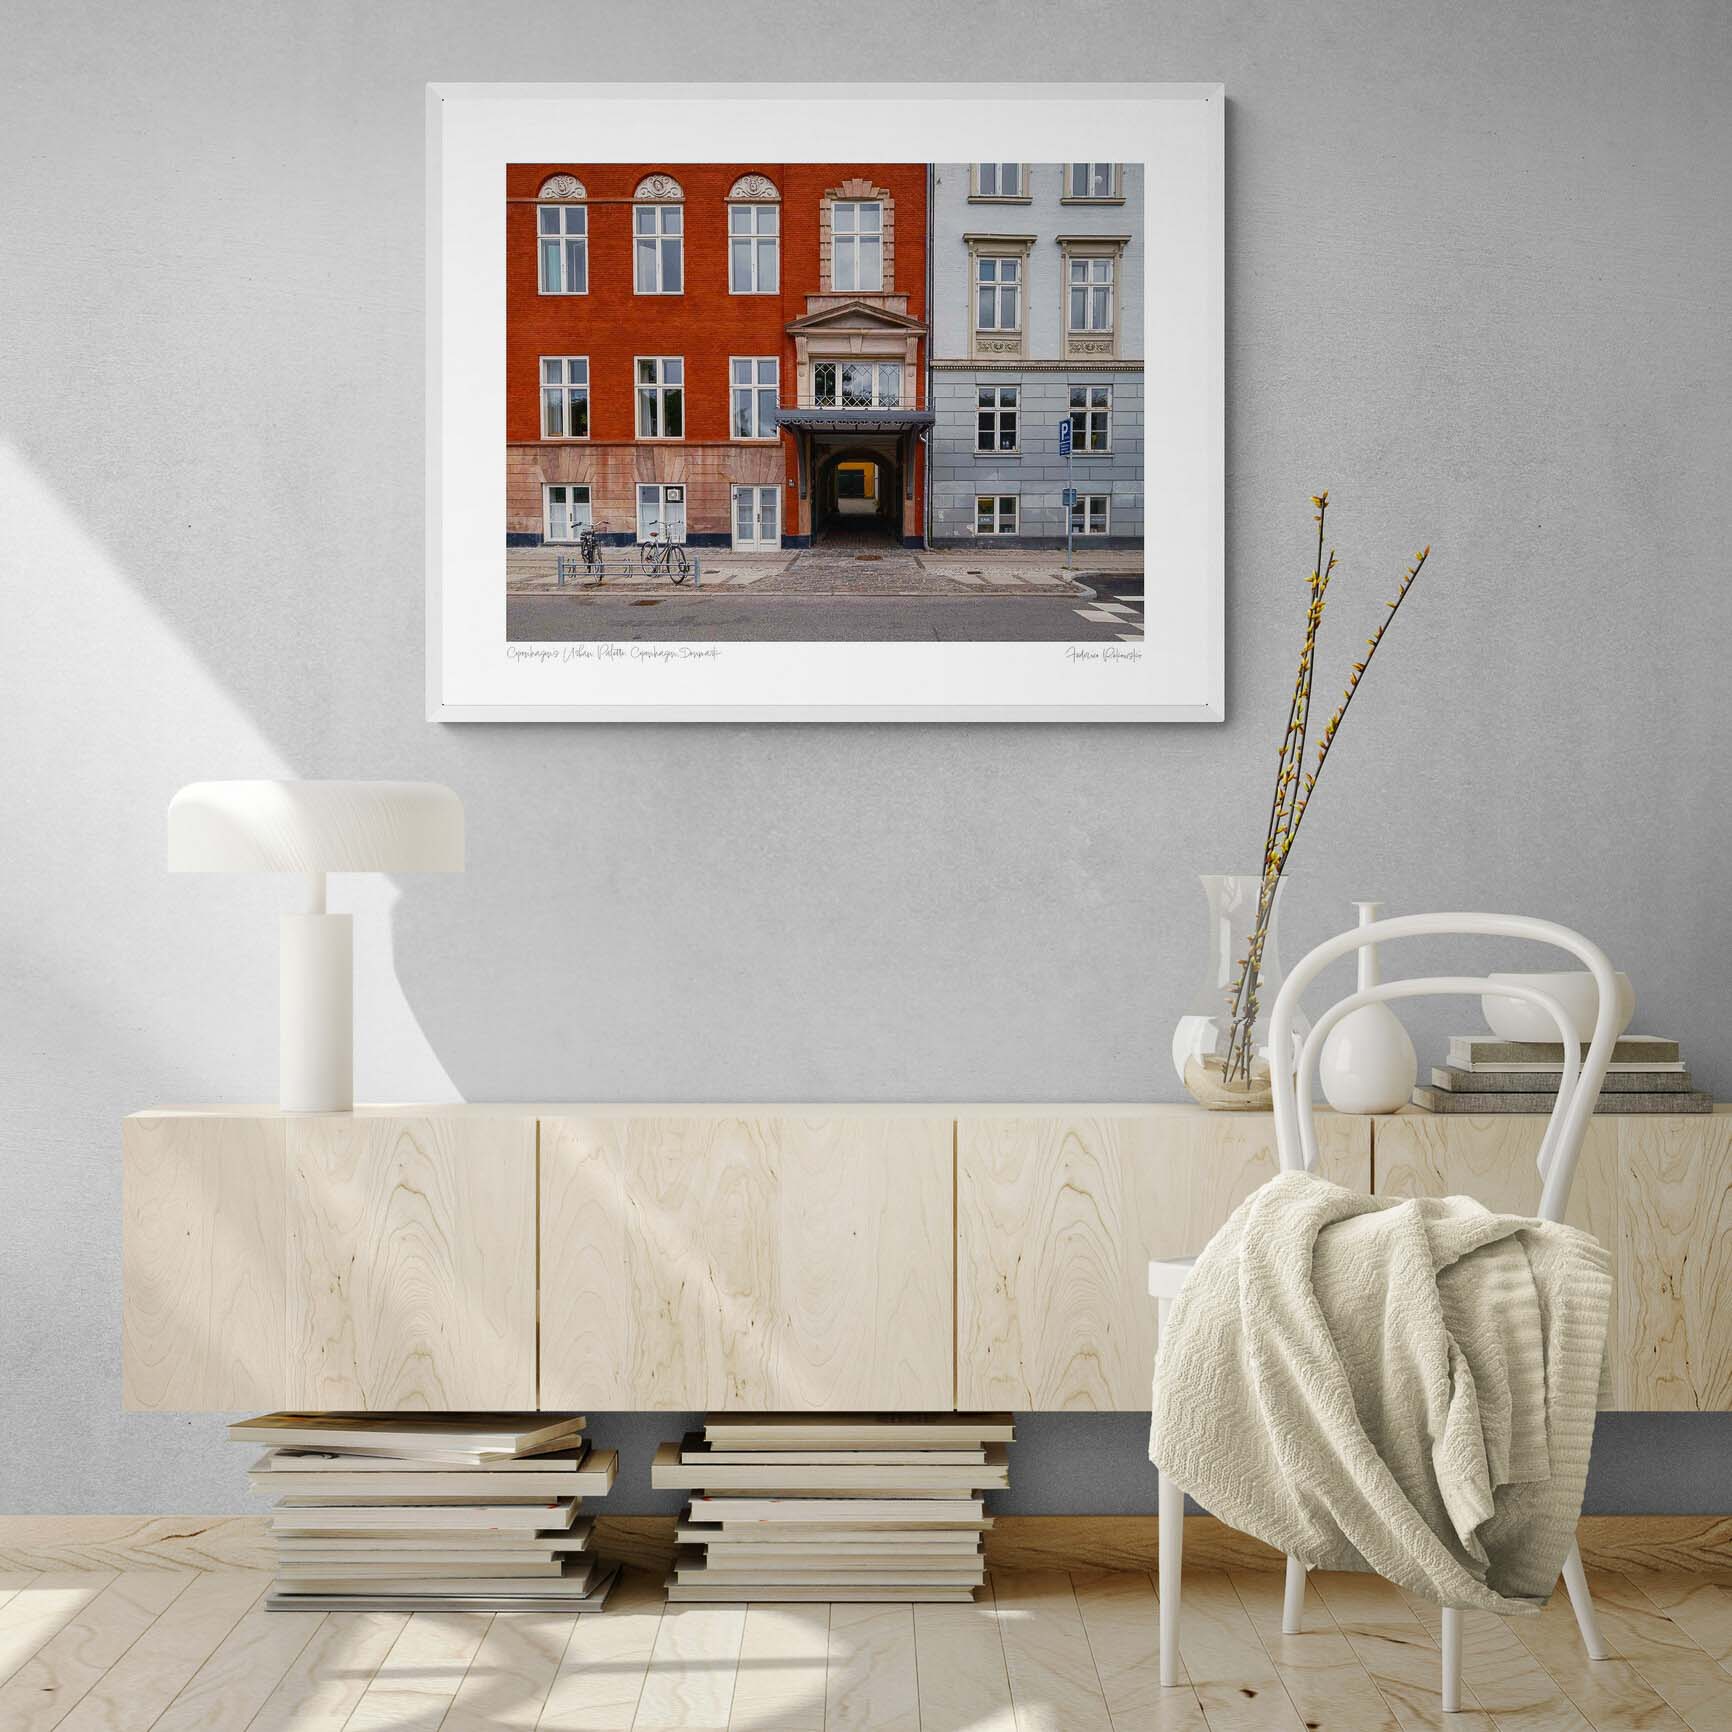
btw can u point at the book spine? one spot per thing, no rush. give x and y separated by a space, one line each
1454 1077
1436 1100
1479 1049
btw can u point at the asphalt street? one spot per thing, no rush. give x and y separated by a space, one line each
718 616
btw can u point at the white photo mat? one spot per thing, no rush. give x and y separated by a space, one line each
474 674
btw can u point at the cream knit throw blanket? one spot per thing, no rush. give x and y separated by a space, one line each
1403 1387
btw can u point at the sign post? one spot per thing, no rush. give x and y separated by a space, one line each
1064 444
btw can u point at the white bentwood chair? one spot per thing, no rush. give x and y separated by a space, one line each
1296 1146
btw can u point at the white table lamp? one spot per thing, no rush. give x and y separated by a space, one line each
313 828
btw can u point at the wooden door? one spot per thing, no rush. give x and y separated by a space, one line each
1656 1190
1057 1220
741 1263
1675 1262
411 1262
203 1314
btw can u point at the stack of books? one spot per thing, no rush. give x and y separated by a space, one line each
834 1506
456 1512
1487 1074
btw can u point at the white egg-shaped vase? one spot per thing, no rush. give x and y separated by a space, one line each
1368 1063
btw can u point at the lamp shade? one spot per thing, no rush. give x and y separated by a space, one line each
312 827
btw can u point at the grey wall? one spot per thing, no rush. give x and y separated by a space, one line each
1480 261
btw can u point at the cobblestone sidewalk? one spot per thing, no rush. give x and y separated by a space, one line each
821 571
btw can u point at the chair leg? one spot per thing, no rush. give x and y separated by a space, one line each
1582 1603
1451 1659
1293 1606
1172 1548
1170 1527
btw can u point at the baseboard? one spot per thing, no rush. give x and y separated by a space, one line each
1696 1545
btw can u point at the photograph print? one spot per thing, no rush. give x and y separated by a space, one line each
841 435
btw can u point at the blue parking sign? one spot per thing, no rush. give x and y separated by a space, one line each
1064 437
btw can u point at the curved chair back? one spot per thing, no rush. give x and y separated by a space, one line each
1578 1086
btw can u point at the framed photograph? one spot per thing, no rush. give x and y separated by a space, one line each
773 405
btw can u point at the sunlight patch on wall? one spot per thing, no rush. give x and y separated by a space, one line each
107 713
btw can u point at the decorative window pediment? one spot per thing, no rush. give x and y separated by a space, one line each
562 187
754 188
661 188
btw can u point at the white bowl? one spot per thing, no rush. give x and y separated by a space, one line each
1576 991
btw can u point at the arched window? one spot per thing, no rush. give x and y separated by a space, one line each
562 236
754 236
658 236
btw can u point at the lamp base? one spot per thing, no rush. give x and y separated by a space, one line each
316 1035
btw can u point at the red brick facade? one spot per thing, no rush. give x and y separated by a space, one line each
704 324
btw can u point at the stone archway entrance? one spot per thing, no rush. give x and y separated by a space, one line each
857 496
856 412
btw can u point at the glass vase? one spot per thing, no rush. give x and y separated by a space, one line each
1203 1040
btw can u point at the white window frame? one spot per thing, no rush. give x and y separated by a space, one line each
656 240
998 501
661 489
568 391
878 399
754 389
572 489
658 389
998 409
979 188
1084 445
853 240
1088 285
756 238
1092 523
565 237
1113 194
998 286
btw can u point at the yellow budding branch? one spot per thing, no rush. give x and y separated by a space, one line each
1292 793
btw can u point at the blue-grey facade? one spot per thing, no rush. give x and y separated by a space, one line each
1037 317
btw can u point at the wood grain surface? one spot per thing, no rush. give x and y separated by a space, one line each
1057 1220
411 1263
746 1264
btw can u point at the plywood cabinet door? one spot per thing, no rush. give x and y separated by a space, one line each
203 1315
739 1263
1655 1190
1675 1262
1057 1219
411 1262
1492 1159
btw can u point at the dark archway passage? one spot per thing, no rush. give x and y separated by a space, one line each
857 498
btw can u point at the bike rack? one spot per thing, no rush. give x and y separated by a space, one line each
570 565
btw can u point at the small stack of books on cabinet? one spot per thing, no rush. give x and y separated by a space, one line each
456 1512
834 1506
1487 1074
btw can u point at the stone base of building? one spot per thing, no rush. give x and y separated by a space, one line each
986 546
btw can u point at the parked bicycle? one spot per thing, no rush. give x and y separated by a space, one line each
589 545
665 558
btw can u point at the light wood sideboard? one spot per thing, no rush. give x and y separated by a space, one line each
798 1257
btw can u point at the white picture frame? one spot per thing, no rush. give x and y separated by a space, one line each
1178 671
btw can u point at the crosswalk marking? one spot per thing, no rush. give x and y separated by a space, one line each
1116 613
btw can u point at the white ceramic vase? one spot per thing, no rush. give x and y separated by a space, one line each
1368 1063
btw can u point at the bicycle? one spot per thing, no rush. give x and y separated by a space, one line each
589 545
666 558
